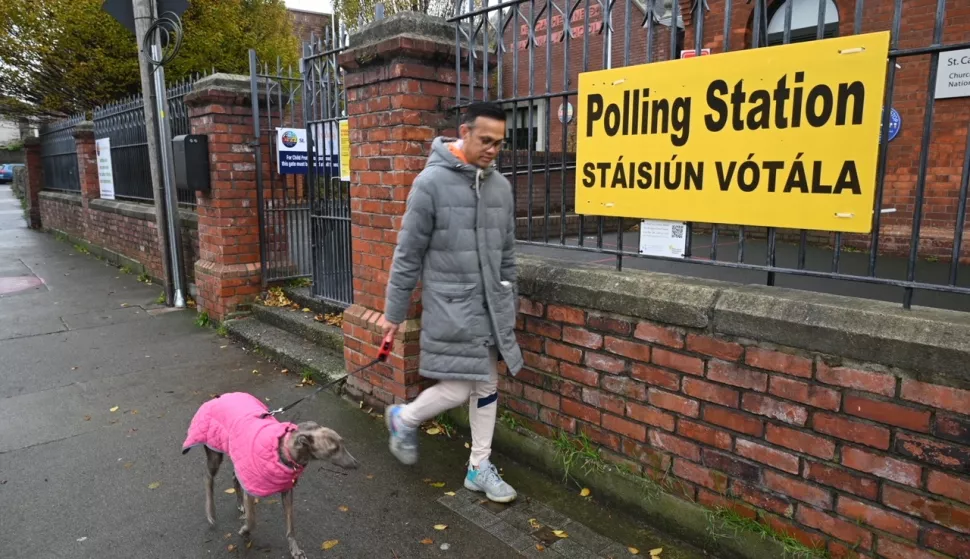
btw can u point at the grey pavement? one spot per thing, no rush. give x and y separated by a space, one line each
78 339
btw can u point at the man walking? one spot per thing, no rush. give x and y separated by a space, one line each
458 237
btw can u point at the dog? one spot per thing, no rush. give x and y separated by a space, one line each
268 456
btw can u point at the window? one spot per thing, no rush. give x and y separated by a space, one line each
517 125
804 21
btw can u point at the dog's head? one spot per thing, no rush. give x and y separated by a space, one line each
311 441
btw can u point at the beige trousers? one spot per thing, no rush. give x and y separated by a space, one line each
482 398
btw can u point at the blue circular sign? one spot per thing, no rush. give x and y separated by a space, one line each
895 123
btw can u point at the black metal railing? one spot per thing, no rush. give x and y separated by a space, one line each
59 154
529 53
123 122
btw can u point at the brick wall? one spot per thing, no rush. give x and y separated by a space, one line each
63 212
865 443
125 228
309 24
522 77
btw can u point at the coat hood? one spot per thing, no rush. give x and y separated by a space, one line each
441 156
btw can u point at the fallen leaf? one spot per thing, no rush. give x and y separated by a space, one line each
656 552
540 547
426 541
128 465
433 431
440 527
426 480
306 309
329 544
249 545
584 492
228 535
534 523
633 551
285 371
154 485
450 493
114 409
230 491
467 445
231 547
370 476
438 485
87 418
343 508
134 412
560 534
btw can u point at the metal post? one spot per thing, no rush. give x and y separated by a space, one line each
168 174
144 13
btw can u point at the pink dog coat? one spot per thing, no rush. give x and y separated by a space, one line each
231 424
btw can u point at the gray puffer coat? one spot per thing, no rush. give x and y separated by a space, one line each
458 236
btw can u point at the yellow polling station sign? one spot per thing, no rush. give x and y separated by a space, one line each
785 136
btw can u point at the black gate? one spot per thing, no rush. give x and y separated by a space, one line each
304 208
329 173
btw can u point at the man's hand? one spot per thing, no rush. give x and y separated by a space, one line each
390 330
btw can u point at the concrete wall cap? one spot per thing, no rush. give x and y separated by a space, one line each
931 345
83 128
235 83
412 24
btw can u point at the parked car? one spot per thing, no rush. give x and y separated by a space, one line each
6 171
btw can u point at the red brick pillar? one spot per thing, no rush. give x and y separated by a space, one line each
399 92
87 163
227 273
35 181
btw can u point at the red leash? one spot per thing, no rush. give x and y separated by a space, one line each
382 356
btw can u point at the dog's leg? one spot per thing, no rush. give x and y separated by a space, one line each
249 508
213 460
295 551
239 494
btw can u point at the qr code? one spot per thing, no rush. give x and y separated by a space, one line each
677 231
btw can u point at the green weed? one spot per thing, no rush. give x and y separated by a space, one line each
446 424
222 330
724 522
160 300
202 320
145 278
60 236
509 420
81 249
578 452
300 282
125 270
306 377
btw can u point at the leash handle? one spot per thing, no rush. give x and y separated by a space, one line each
385 350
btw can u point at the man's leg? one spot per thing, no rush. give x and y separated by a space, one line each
403 421
482 476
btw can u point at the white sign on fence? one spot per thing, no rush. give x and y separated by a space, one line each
105 175
953 74
663 238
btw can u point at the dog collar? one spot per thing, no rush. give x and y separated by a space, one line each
285 457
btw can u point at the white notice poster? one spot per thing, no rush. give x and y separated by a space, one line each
953 74
663 238
106 179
